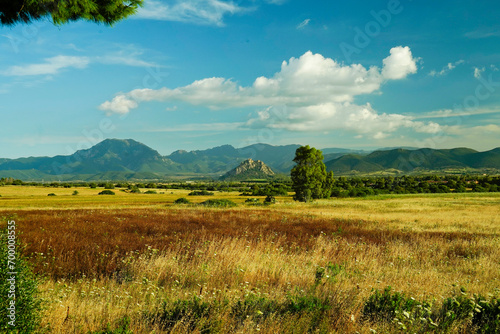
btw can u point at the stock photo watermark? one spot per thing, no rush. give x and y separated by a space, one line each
11 273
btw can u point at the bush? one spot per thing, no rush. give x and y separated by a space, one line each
75 193
386 305
28 304
219 203
134 190
200 193
106 192
51 194
182 200
488 319
151 192
270 200
252 200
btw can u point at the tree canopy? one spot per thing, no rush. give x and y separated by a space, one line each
309 177
64 11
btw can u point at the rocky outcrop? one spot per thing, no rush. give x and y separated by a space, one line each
249 169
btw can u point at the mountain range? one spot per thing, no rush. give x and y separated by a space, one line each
116 159
415 160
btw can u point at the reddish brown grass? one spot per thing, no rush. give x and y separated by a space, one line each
73 243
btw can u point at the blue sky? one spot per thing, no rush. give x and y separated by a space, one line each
196 74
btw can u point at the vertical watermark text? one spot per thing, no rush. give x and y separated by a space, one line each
11 272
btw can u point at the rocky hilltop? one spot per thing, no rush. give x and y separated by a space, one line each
249 169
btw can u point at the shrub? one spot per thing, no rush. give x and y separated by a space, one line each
252 306
109 186
252 200
484 315
51 194
151 192
200 193
28 304
270 200
75 193
106 192
386 305
134 190
488 319
219 203
182 200
455 309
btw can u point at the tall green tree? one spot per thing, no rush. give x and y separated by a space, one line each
64 11
309 178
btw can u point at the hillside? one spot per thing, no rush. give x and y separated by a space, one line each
111 155
406 160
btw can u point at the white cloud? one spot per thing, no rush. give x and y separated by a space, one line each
205 12
478 72
480 130
362 119
445 70
399 64
49 67
127 55
121 54
303 24
309 93
445 113
119 105
308 80
123 60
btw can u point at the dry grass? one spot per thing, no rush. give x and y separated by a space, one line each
107 263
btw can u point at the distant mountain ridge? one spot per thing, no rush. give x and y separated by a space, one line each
405 160
126 159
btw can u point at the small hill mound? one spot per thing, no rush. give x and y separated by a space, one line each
247 170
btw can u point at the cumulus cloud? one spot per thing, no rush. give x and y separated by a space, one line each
49 67
399 64
119 105
445 70
362 119
204 12
309 93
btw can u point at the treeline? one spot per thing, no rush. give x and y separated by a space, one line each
342 186
365 186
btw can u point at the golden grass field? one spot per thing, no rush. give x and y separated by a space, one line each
106 257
